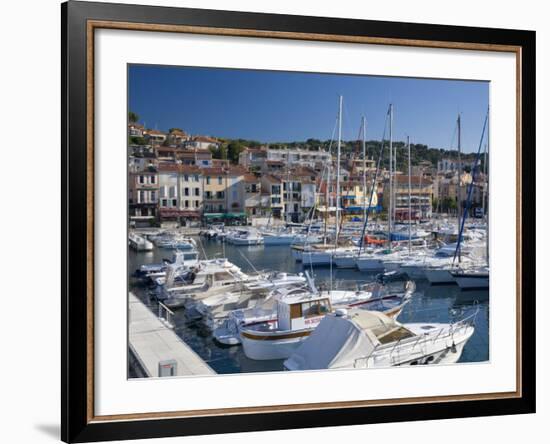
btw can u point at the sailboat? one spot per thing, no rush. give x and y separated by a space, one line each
466 271
323 254
374 261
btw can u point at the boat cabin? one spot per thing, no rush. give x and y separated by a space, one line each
301 312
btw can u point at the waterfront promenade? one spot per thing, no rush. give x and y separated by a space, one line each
152 342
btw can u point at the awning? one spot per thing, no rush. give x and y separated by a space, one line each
234 215
213 215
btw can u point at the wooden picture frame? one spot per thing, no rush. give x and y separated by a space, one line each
79 22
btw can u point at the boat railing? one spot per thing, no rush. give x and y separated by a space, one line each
450 332
165 315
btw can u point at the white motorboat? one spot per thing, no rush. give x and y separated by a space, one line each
139 243
298 314
278 237
175 241
368 339
211 277
244 237
180 260
375 295
215 309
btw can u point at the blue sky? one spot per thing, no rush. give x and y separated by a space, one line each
284 106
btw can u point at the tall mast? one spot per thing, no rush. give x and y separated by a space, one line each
390 207
327 198
288 190
364 126
409 153
458 191
338 171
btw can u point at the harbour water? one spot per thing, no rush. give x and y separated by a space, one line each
428 303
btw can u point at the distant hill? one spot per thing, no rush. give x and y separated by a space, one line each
419 152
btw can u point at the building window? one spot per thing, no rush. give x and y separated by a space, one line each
186 191
153 196
174 202
208 194
142 179
196 177
186 204
197 191
220 194
163 203
208 180
220 208
197 204
153 179
186 177
220 180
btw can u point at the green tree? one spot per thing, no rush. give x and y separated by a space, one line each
233 151
222 151
135 140
132 117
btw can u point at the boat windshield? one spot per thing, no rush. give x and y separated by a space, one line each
315 308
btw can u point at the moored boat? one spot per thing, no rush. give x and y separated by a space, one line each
368 339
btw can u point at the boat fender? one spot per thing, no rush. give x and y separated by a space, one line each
340 312
453 347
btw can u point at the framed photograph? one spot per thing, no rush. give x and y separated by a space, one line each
275 222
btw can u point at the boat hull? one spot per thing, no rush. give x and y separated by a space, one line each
278 240
316 258
370 265
245 241
441 276
466 282
263 350
345 261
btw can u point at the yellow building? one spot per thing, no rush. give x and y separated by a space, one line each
421 197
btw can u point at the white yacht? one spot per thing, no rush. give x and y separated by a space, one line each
368 339
216 309
211 277
297 315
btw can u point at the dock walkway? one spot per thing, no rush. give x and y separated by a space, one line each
152 342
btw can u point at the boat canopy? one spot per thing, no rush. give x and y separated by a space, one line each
337 342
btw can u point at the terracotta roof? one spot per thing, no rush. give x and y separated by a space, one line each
204 139
272 178
177 168
251 178
155 132
135 125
